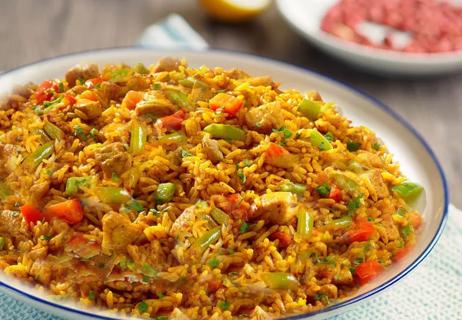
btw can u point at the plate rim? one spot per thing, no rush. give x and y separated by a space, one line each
297 68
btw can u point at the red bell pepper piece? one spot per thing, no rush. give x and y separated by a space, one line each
45 91
401 253
91 83
228 103
174 121
335 194
362 231
31 213
367 271
132 98
70 211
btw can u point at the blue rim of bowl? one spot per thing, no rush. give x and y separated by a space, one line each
363 94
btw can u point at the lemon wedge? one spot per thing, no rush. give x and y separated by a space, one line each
234 10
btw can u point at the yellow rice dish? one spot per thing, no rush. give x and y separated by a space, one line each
178 193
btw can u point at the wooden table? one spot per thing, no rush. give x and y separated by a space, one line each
31 30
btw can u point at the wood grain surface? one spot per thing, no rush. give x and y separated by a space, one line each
31 30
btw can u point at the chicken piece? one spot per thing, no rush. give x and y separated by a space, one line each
24 90
167 64
81 72
212 149
5 151
369 159
260 314
343 277
118 232
185 221
277 207
265 118
41 270
387 229
88 109
157 104
111 91
236 74
261 81
377 186
39 190
11 226
113 159
13 102
329 290
177 314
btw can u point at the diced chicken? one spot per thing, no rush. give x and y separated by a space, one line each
39 190
265 118
329 290
184 222
260 314
81 72
5 150
167 64
236 74
24 90
88 109
118 281
369 159
113 158
212 149
177 314
10 225
118 232
261 81
343 277
41 271
376 186
112 91
277 207
156 103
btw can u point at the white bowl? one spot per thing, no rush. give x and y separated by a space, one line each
305 18
416 158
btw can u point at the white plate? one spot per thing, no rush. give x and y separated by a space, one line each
417 160
305 17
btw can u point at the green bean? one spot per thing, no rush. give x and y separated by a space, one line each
319 141
190 82
408 190
53 131
5 190
355 167
208 238
164 192
280 280
2 242
310 109
113 195
345 182
137 138
73 184
177 137
304 223
179 98
225 131
44 138
140 68
219 216
41 153
297 188
340 223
